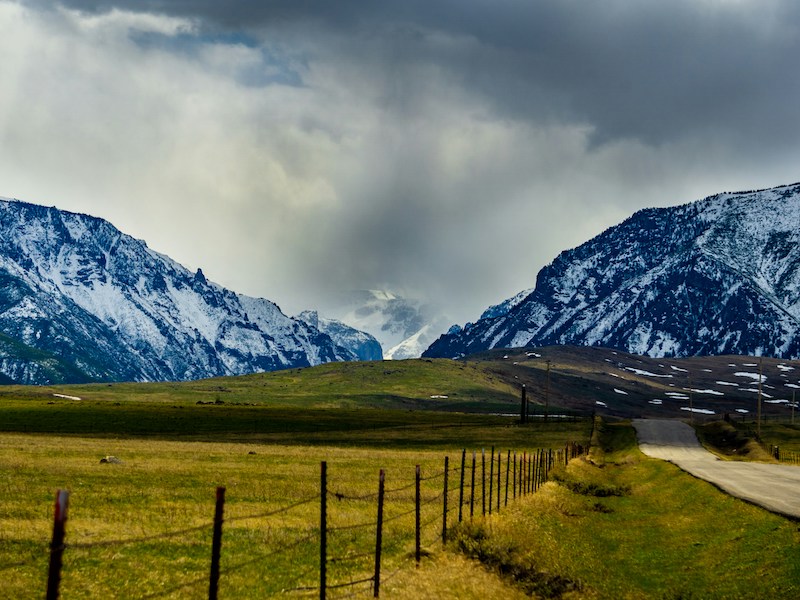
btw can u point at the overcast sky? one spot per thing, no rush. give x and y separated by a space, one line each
444 149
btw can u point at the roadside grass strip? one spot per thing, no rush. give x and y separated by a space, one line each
621 525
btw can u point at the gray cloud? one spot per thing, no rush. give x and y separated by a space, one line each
447 148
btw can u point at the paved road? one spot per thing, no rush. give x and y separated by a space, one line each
775 487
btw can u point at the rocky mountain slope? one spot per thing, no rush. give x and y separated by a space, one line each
365 346
717 276
81 301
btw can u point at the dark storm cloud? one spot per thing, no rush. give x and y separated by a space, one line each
652 71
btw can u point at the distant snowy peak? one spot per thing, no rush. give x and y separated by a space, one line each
717 276
404 327
414 345
108 308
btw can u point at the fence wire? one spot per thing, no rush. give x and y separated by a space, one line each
272 513
526 472
271 554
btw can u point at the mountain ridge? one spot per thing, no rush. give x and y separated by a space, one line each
106 305
716 276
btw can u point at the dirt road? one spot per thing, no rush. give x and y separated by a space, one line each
775 487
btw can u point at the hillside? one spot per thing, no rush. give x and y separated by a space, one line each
581 380
620 384
714 277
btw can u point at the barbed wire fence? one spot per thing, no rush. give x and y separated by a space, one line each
351 555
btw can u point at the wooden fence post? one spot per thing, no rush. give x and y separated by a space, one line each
323 529
444 505
379 538
491 481
216 545
461 488
483 482
57 544
418 552
508 470
472 489
514 479
498 479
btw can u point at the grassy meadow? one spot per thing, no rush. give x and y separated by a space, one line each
120 513
142 528
615 525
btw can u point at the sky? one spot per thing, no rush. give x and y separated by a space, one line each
443 149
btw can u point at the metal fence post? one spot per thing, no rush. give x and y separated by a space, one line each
323 529
216 545
57 544
444 505
379 537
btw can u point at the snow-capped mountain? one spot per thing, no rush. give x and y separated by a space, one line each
81 301
717 276
360 343
404 327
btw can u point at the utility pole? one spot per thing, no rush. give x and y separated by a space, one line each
758 422
523 409
691 407
547 393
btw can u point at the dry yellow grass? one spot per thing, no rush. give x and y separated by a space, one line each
164 487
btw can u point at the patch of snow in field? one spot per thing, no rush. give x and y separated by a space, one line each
615 375
732 365
645 373
744 411
726 383
785 368
677 395
533 354
505 357
707 371
600 403
750 375
623 392
792 385
656 401
66 397
702 411
749 364
712 392
674 368
439 396
776 401
755 391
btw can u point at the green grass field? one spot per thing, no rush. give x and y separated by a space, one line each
121 515
618 526
413 384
